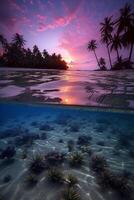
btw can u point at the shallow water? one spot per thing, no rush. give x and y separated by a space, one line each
93 88
111 135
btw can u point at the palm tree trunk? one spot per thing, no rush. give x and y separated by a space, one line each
97 59
131 50
109 56
117 54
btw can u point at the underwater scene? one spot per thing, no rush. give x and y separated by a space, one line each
54 152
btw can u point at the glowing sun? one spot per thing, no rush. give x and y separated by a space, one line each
67 57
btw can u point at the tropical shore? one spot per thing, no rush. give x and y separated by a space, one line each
113 89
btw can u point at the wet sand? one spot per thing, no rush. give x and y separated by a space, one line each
114 89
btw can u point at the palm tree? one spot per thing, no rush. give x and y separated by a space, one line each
3 42
116 44
92 45
15 55
125 26
18 40
125 19
35 50
102 63
129 38
45 53
59 57
106 34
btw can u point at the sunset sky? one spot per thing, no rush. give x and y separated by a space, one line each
61 26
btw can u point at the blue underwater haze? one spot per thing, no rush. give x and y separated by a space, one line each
80 141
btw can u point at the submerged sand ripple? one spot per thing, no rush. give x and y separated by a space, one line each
100 126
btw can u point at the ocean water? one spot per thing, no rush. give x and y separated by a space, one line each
114 89
58 134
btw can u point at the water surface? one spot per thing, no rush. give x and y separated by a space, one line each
93 88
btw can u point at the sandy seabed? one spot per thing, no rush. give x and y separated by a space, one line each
54 127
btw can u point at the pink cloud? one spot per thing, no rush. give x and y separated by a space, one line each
25 20
41 17
60 22
41 27
16 23
14 17
12 22
75 40
15 6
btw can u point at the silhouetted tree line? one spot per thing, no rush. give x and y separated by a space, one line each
15 55
117 34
